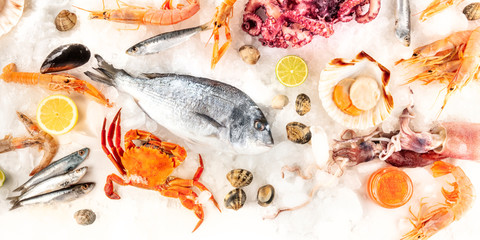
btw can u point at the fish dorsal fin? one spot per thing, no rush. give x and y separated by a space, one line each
155 75
210 120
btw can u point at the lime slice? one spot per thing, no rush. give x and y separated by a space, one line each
2 177
291 71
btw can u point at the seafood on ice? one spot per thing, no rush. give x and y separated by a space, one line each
406 148
10 13
294 23
149 166
67 194
65 57
51 184
222 116
38 138
53 82
431 219
223 14
402 22
436 6
56 168
166 15
454 59
355 93
164 41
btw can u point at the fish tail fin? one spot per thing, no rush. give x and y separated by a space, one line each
15 205
13 199
21 188
107 72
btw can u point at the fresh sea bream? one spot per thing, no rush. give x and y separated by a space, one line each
56 168
197 109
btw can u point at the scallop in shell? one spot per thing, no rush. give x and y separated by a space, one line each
235 199
10 13
363 65
239 177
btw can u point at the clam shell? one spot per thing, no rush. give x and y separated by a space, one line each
235 199
10 13
265 195
302 104
85 217
298 132
65 57
472 11
279 101
239 177
65 20
249 54
362 65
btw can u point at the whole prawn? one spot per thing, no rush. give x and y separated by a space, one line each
53 82
222 17
437 6
39 138
457 202
167 15
455 59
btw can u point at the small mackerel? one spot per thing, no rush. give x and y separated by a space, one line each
66 194
56 168
52 184
402 22
165 41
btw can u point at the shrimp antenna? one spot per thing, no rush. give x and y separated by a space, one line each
90 11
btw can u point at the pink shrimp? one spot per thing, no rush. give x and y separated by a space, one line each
457 202
167 15
437 6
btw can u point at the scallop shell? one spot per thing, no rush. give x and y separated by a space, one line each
472 11
10 13
302 104
65 20
265 195
363 65
235 199
298 132
239 177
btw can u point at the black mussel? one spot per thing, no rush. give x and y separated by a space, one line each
65 57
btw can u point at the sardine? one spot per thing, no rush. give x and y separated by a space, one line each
402 22
165 41
66 194
56 168
198 109
52 184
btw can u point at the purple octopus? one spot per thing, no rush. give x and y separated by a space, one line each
295 22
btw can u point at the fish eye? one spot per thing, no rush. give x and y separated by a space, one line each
259 125
81 152
84 187
134 49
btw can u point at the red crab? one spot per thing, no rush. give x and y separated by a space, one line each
149 166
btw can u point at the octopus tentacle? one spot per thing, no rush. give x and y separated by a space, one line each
372 13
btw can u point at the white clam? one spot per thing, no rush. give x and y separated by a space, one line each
10 13
362 65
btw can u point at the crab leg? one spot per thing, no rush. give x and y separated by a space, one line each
178 182
109 186
188 198
199 172
114 159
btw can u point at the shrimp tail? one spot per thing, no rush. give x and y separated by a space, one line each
441 168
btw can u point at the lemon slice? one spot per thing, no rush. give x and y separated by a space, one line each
57 114
2 177
291 71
